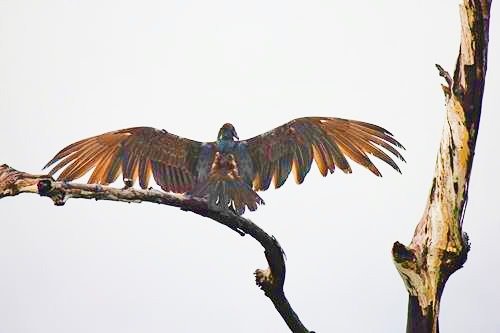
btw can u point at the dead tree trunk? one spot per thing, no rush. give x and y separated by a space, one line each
439 246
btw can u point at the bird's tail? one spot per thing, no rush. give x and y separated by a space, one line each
225 192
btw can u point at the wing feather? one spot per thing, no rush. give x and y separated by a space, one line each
320 159
357 154
330 142
101 167
136 153
144 172
113 170
81 166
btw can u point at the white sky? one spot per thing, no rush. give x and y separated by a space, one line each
72 69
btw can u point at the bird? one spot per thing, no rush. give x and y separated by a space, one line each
227 172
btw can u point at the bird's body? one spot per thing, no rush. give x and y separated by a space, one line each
227 172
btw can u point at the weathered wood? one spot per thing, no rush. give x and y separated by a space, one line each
439 246
270 280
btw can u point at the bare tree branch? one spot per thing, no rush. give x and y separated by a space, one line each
270 280
439 246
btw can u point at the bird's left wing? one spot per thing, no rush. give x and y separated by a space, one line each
137 153
328 141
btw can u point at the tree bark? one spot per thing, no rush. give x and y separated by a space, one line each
270 280
439 246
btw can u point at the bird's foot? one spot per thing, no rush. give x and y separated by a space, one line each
128 183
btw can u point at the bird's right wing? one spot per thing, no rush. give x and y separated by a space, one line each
136 153
329 141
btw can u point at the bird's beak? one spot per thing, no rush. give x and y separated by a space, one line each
235 134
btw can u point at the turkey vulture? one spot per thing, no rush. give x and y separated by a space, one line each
227 172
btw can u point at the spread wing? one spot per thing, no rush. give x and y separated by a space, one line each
329 141
137 153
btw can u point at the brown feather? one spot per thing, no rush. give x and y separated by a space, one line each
113 170
144 172
101 168
319 158
81 165
326 140
79 160
357 154
295 170
137 153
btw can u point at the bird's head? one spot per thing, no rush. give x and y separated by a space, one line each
227 132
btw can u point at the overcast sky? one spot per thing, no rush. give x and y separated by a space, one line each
73 69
